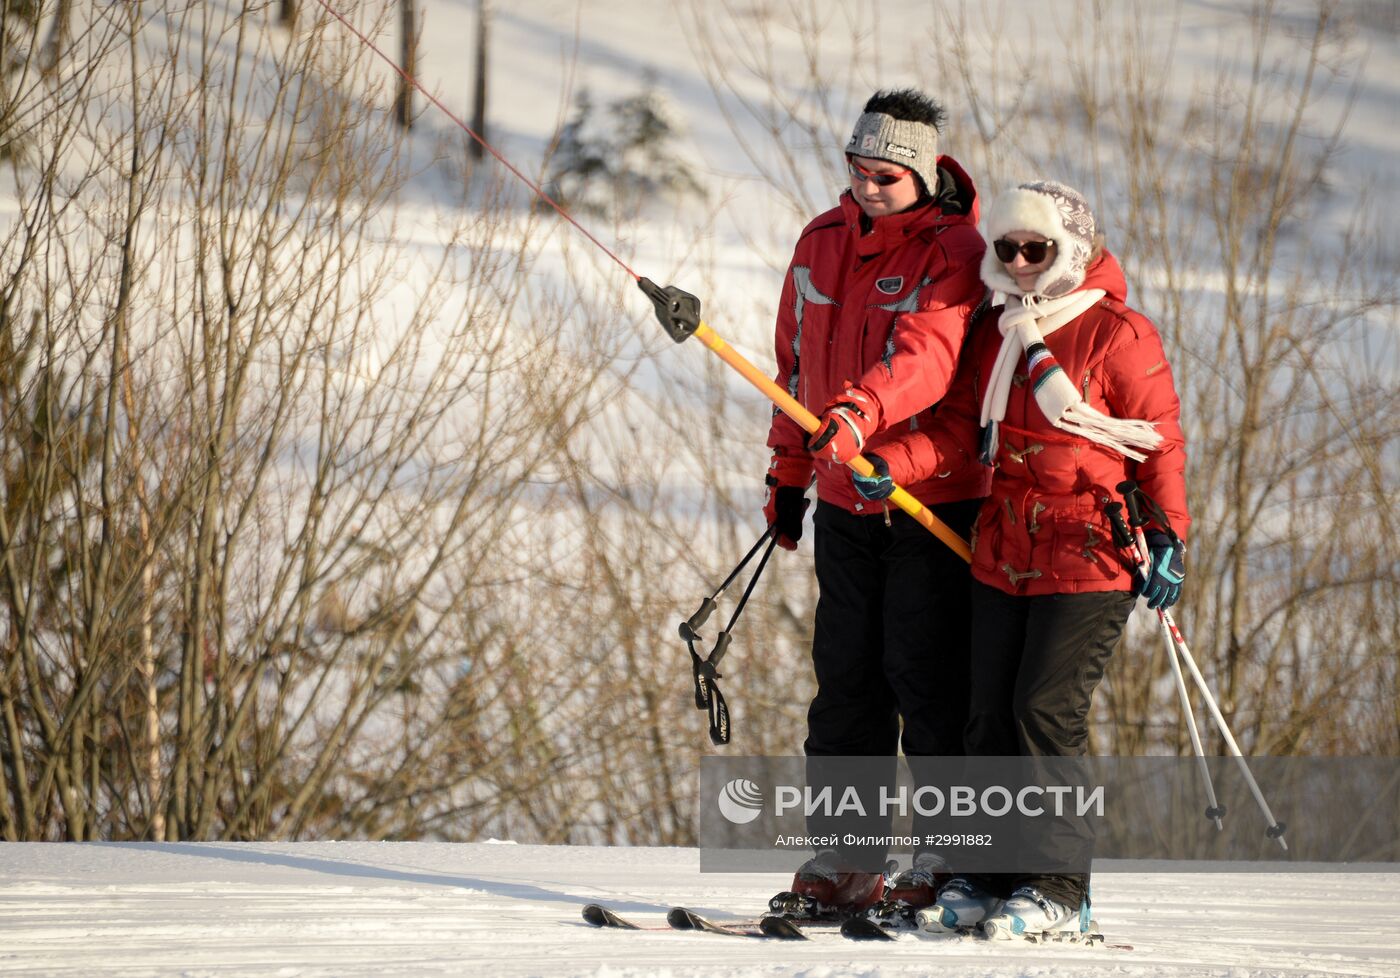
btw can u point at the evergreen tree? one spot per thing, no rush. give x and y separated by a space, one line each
625 159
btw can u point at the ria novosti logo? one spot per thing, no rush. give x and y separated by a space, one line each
741 801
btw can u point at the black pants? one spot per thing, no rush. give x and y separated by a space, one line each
891 642
1035 665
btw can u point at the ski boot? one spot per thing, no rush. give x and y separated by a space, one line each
1032 915
819 891
961 904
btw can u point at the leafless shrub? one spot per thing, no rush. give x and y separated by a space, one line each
260 462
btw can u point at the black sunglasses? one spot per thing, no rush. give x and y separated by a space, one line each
1035 252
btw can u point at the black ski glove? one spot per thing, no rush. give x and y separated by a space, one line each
784 509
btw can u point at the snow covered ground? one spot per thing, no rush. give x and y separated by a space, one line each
382 909
350 909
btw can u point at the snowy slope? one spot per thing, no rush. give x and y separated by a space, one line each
348 909
351 909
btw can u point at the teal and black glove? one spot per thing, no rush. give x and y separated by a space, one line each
876 486
1166 570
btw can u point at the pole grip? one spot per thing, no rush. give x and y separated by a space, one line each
721 647
690 628
1133 500
1122 536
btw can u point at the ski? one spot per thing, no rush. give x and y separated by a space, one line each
865 929
1091 938
770 925
782 928
683 918
889 927
600 916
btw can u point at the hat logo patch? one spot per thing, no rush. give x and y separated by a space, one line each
891 285
898 150
867 142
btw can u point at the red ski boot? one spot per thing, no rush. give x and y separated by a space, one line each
917 887
819 890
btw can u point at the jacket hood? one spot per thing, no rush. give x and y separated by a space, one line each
1105 273
956 190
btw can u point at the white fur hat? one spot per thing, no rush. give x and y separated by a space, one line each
1053 211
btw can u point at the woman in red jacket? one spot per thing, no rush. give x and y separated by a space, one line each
1065 392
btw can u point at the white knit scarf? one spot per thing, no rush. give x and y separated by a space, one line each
1024 324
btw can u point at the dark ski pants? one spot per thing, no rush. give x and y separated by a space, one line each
890 642
1035 665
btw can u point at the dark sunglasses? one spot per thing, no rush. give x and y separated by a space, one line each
1035 252
880 179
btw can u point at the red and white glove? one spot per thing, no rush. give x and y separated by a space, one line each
846 422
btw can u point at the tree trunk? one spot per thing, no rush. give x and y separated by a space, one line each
58 37
483 14
403 105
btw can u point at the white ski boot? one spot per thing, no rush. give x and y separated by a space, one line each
1029 914
961 904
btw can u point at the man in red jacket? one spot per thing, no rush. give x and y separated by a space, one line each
874 310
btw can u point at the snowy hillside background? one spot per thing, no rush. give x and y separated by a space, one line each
348 496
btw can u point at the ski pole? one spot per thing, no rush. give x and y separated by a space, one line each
1134 498
1125 540
679 314
704 672
690 628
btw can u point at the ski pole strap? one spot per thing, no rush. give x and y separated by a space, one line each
700 681
718 710
709 698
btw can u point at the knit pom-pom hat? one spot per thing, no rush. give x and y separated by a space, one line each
1054 211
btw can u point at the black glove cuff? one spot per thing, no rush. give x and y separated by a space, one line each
789 506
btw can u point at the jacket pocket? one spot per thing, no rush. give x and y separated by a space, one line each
1004 546
1080 549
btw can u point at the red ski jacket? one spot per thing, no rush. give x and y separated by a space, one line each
1042 529
885 305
